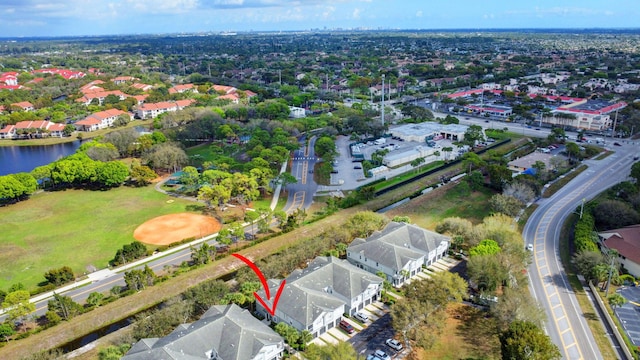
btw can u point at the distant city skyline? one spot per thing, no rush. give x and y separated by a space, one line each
99 17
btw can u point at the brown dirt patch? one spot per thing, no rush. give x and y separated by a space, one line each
167 229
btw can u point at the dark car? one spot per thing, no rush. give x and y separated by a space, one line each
617 144
344 325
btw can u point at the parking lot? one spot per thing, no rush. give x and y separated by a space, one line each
349 174
629 313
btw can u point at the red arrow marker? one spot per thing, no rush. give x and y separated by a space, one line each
255 269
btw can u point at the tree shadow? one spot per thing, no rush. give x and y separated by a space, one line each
476 327
197 208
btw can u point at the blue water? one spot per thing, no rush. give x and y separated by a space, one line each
14 159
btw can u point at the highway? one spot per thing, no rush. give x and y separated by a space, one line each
549 284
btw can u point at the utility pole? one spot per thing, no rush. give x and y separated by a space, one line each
382 102
615 121
581 208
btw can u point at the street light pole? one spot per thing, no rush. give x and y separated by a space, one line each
382 102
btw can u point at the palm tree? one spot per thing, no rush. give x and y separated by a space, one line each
305 337
616 300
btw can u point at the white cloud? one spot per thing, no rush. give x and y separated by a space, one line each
419 13
356 13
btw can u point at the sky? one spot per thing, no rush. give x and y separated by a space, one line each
105 17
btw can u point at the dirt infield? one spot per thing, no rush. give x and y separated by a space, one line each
167 229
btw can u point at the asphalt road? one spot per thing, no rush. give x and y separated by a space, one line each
373 337
302 164
549 284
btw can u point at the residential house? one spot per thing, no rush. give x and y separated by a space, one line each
399 251
100 120
100 95
296 112
315 298
66 74
183 88
224 332
32 128
92 86
152 110
122 79
626 241
141 86
9 78
23 105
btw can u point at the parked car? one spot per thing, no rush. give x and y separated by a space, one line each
344 325
372 357
361 317
382 355
617 144
394 344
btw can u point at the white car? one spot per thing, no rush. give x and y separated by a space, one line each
361 317
394 344
530 247
382 355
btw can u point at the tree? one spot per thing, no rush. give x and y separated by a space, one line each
325 146
420 312
499 176
17 305
59 276
524 340
202 255
166 156
111 174
635 172
613 214
95 298
475 180
6 330
573 150
214 195
505 204
64 306
28 182
113 352
616 300
417 162
473 134
103 152
584 261
519 190
142 175
342 350
189 176
68 130
471 160
486 247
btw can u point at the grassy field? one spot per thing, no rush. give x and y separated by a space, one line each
429 209
76 228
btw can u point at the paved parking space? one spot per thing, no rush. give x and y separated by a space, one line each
339 334
629 313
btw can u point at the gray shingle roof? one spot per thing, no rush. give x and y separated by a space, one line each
233 332
397 244
326 284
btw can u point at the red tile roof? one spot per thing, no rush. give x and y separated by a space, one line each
625 240
23 104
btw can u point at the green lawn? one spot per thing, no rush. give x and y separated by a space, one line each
76 228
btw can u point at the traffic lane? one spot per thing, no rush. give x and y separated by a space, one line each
373 337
